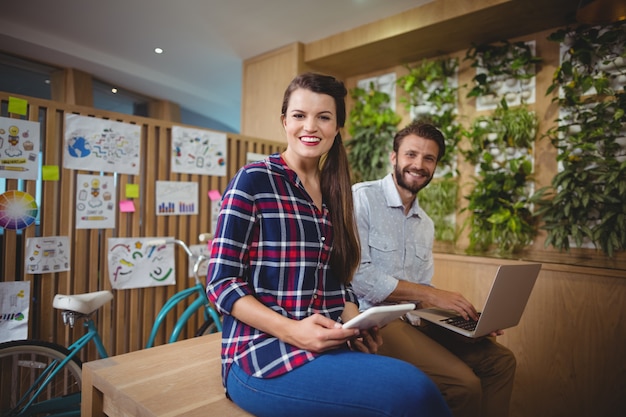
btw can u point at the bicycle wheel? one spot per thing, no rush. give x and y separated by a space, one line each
22 362
207 327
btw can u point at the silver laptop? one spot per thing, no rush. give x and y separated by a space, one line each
503 308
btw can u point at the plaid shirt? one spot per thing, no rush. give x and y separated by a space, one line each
271 242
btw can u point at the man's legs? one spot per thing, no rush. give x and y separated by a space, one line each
493 363
458 384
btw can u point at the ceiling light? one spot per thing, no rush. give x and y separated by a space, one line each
158 50
114 90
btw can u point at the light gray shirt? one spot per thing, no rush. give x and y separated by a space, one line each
394 246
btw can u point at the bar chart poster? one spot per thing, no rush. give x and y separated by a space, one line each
176 198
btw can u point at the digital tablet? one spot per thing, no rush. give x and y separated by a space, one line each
378 316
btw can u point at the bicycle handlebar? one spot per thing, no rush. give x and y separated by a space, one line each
198 259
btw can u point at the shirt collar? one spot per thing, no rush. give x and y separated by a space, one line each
392 197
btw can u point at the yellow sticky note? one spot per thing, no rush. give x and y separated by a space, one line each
18 105
127 206
50 172
132 190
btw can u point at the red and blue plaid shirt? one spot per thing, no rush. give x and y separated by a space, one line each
274 243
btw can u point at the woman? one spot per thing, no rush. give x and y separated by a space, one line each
284 252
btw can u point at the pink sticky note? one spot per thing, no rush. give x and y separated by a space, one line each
214 195
127 206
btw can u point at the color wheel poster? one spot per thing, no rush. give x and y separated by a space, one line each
47 254
95 202
18 210
14 306
197 151
133 263
101 145
19 149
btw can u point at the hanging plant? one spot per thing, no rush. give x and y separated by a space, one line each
372 126
586 202
431 95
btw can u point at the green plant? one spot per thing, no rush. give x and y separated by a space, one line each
504 133
439 201
431 95
502 59
499 206
372 126
500 203
586 201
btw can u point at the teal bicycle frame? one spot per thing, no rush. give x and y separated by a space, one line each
69 405
200 302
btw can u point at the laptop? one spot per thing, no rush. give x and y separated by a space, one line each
503 308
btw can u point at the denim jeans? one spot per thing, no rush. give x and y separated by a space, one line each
340 383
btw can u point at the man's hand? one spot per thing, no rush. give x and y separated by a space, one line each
368 341
449 300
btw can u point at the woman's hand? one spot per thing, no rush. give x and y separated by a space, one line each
317 333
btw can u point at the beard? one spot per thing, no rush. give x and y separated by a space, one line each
413 187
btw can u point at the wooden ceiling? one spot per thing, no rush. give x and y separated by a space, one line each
435 29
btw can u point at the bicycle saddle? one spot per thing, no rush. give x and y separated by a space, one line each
82 303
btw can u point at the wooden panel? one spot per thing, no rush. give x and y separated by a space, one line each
570 342
264 80
126 322
72 86
433 29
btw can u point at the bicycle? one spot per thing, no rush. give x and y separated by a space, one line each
43 378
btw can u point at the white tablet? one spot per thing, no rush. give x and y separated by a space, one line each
378 316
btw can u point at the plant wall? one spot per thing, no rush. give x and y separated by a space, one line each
372 126
586 202
500 218
431 89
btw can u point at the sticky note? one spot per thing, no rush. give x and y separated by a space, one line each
214 195
50 172
18 105
127 206
132 190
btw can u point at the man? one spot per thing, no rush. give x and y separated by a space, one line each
475 377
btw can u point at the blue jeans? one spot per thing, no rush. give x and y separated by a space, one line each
340 383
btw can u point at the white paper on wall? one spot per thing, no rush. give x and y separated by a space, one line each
19 149
133 263
14 309
93 144
198 151
47 254
176 198
95 202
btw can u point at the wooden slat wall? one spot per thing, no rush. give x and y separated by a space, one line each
125 324
569 344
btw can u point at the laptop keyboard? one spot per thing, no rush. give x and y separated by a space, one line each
459 321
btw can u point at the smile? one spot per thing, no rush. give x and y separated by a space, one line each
310 139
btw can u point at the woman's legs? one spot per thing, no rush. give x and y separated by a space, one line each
340 383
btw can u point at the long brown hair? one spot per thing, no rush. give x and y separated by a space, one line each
335 177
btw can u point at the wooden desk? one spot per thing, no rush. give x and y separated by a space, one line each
182 378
